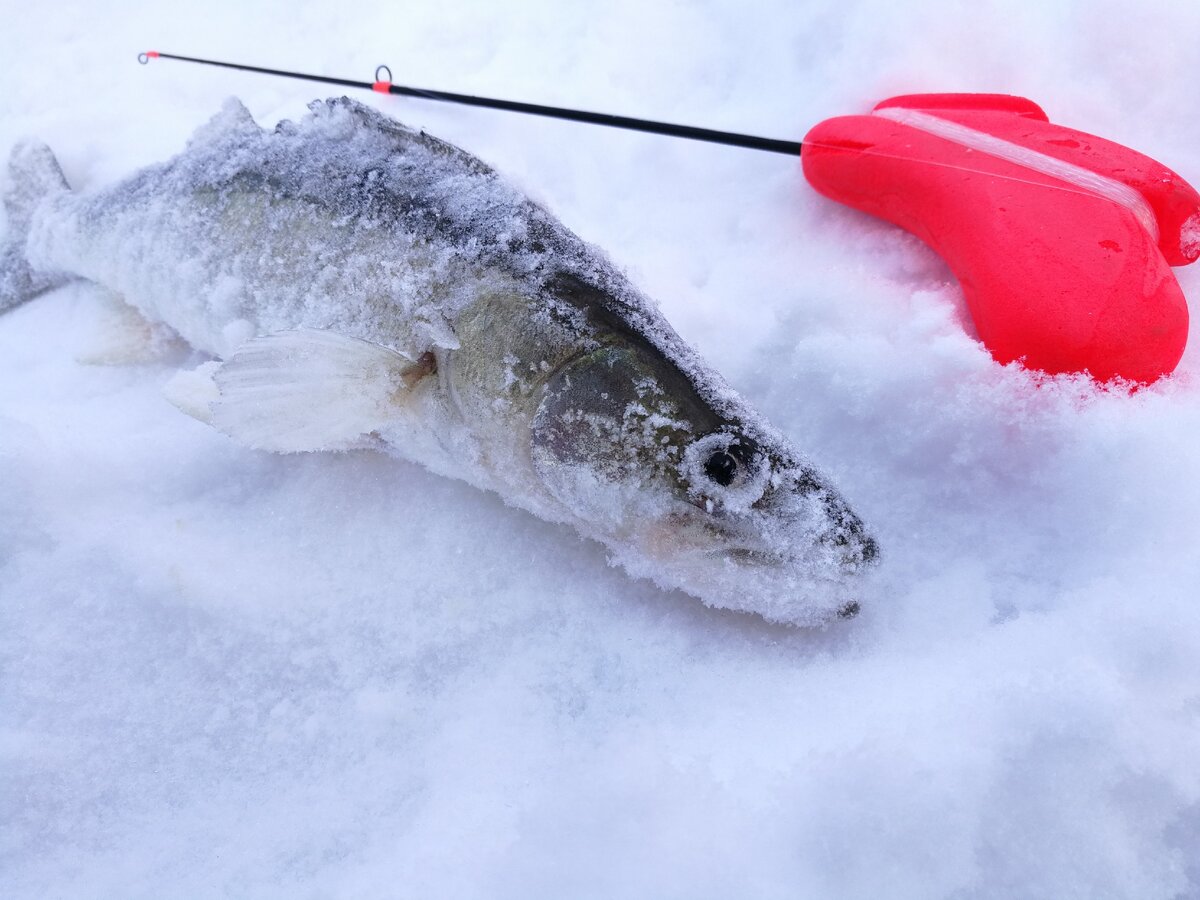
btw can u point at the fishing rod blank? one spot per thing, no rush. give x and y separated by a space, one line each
385 86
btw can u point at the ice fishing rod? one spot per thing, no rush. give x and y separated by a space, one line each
1062 241
384 85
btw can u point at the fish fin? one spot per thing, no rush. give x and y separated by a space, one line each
34 174
232 119
193 391
293 391
356 114
125 337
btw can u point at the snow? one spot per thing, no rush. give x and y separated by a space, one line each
233 673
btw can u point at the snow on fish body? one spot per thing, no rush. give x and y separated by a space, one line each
364 284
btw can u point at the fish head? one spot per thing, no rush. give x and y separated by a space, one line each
695 498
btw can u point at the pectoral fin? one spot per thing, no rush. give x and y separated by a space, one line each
301 390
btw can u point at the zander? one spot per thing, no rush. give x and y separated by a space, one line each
360 283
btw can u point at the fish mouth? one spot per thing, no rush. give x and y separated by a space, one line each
842 547
851 561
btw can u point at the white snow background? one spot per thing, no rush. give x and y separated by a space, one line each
227 673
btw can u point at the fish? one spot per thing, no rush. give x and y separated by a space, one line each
357 283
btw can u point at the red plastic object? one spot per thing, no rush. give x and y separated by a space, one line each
1062 241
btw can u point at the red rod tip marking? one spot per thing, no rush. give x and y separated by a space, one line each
382 87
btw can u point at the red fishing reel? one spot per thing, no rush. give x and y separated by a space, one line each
1063 241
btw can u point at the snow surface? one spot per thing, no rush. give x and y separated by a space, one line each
227 673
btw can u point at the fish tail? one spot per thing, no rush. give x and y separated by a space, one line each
34 174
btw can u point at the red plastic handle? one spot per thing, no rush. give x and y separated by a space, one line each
1062 240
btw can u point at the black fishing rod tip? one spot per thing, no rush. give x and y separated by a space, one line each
144 58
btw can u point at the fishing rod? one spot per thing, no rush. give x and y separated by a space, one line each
1062 241
385 86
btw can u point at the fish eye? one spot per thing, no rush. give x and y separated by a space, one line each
721 467
727 469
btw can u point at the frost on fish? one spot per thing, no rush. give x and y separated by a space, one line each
362 282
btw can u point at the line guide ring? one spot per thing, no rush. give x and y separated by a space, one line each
382 85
